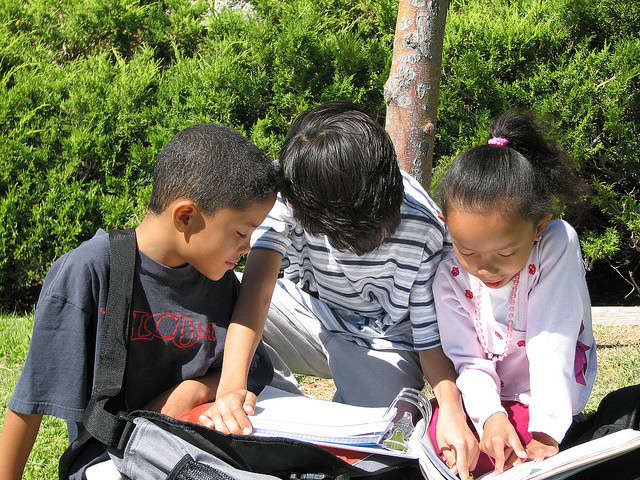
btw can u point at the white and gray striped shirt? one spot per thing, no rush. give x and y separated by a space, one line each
383 298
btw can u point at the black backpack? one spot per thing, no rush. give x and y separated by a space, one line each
618 410
191 452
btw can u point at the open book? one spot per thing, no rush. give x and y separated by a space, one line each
562 465
358 434
575 459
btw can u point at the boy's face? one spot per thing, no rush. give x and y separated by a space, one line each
217 240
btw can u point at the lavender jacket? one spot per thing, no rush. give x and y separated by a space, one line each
552 364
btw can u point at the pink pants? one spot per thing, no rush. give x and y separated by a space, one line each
518 415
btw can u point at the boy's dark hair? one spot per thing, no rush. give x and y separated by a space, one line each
215 167
341 177
520 179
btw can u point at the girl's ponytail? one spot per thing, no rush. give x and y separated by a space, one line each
518 172
554 172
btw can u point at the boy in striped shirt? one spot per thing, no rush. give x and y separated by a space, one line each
359 243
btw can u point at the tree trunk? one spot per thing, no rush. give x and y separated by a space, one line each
411 92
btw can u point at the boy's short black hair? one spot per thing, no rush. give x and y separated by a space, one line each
214 166
341 177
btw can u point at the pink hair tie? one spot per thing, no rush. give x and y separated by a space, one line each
499 141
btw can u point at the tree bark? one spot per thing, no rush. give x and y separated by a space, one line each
411 92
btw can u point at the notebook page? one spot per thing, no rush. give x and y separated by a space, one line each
279 411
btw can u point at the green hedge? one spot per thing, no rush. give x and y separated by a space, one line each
90 91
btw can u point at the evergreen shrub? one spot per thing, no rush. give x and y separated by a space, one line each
90 92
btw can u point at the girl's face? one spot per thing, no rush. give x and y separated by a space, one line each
491 247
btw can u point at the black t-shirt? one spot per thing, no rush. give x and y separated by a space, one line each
178 329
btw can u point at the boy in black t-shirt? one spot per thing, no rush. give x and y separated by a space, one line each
211 189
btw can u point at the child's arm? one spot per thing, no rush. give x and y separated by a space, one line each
188 394
476 373
477 379
233 400
559 308
18 435
460 445
500 441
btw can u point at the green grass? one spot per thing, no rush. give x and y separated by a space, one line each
619 365
15 333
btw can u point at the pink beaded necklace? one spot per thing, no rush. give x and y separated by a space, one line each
480 329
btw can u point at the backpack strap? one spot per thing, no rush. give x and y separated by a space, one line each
103 425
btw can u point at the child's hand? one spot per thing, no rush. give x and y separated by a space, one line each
229 412
541 446
500 440
458 444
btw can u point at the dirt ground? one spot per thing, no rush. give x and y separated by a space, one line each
617 335
606 336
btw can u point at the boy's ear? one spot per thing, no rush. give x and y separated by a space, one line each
183 214
542 224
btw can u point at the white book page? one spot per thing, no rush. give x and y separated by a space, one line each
568 461
281 411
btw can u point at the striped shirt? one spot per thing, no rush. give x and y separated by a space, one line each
383 299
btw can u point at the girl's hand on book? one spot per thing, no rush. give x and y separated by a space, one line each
229 412
541 446
500 440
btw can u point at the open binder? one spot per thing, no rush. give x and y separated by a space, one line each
367 429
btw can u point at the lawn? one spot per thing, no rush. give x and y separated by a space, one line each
618 357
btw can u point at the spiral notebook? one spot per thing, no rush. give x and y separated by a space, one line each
283 414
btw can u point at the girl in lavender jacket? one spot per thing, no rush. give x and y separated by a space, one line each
512 303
